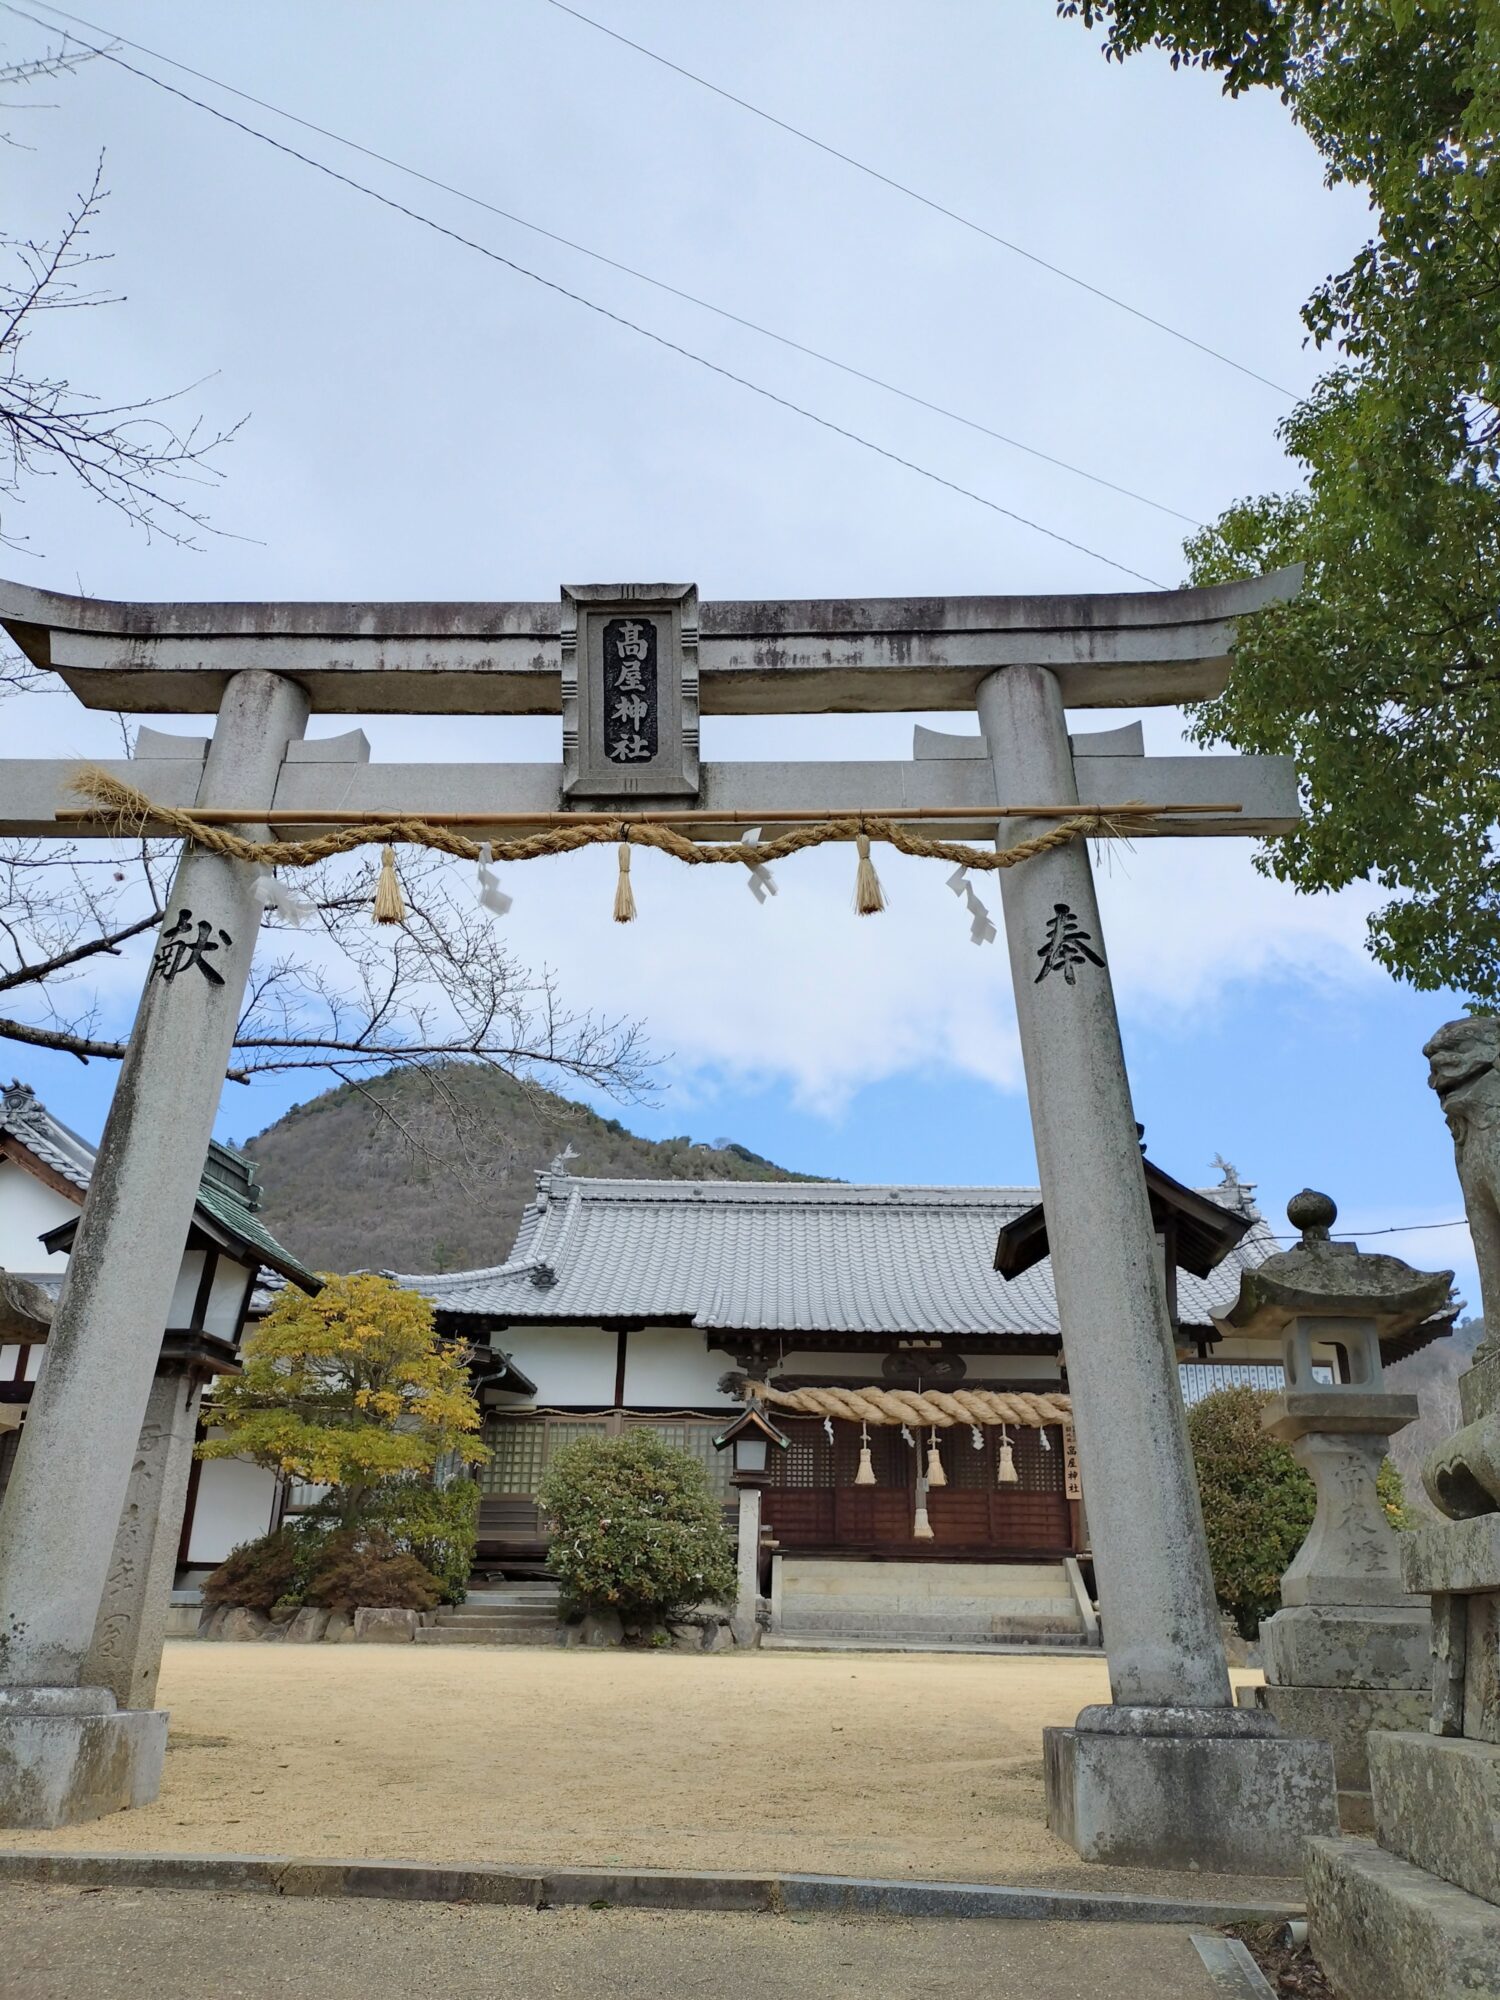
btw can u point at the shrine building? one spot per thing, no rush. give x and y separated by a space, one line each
669 1304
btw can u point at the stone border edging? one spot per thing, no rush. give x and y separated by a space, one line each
635 1888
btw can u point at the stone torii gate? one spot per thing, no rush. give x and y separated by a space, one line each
1171 1773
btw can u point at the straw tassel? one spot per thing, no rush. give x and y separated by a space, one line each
869 897
866 1473
624 894
1005 1472
935 1473
389 908
921 1527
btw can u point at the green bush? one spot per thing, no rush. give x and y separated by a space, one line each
439 1525
363 1567
1257 1503
634 1528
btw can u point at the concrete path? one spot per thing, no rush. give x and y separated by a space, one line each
109 1944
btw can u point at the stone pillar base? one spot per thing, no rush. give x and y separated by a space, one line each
1384 1930
1187 1788
1343 1718
68 1754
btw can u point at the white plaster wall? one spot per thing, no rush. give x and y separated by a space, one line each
27 1207
569 1364
235 1503
668 1367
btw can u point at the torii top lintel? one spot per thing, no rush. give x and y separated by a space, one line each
810 656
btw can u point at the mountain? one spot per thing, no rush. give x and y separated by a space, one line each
1432 1376
429 1169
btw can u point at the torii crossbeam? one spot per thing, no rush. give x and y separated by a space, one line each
630 668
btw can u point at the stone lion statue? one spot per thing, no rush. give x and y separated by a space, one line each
1464 1070
1463 1474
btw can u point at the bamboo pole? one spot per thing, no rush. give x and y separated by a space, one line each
696 816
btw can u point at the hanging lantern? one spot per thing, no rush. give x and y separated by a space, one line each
1005 1472
935 1473
921 1527
866 1473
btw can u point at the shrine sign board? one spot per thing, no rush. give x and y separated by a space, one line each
629 691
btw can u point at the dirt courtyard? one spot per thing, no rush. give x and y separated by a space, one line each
842 1763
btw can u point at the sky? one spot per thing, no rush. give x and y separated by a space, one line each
420 421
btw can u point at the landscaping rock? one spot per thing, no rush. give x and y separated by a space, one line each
211 1621
385 1627
686 1638
340 1626
602 1628
242 1623
716 1638
283 1614
308 1626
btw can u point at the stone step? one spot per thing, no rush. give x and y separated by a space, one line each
463 1613
540 1634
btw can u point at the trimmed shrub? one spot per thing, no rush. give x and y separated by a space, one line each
1258 1503
271 1570
361 1568
439 1525
634 1528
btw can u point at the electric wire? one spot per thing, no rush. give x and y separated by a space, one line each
913 194
630 270
579 298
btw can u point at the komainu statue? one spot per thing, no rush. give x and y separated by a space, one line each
1463 1475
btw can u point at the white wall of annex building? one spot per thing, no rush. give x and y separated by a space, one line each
236 1501
27 1207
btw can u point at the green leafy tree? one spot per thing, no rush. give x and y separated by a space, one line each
348 1389
1382 677
1258 1503
635 1528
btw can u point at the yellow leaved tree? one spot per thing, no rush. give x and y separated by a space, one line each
348 1389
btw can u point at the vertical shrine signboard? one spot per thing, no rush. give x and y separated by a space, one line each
630 691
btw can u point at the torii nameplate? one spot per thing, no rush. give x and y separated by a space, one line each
629 691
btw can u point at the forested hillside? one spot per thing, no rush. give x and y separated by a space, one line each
429 1169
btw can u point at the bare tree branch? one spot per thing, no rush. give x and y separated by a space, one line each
127 454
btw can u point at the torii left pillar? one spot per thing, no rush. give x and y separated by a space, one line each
68 1752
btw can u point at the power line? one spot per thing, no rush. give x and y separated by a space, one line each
913 194
1393 1229
578 298
630 270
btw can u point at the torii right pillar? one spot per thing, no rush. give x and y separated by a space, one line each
1170 1774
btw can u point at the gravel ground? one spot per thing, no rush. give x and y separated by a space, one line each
871 1764
66 1944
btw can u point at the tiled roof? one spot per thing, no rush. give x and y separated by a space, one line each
795 1257
24 1118
228 1194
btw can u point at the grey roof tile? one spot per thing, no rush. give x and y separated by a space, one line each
794 1257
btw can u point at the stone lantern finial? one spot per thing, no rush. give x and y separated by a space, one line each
1313 1213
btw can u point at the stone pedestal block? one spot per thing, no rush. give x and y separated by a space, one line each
385 1627
1453 1556
1437 1804
1342 1718
1239 1800
1352 1646
1383 1930
69 1754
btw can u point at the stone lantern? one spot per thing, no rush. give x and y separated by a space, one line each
751 1437
1349 1652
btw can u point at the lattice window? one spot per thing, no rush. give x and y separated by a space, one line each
517 1451
697 1439
1201 1378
